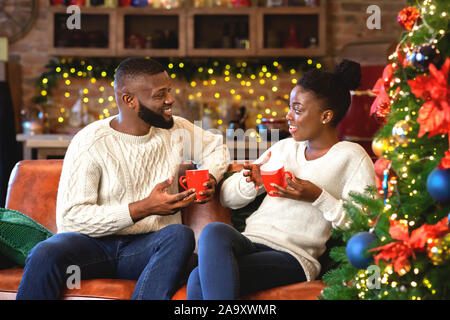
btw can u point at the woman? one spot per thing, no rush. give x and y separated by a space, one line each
285 236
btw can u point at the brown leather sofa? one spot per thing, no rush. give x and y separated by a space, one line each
32 190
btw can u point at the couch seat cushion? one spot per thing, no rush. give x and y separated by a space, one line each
297 291
90 289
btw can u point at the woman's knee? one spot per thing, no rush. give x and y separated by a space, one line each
215 231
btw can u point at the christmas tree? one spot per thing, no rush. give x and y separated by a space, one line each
397 245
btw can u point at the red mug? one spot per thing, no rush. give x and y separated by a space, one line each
274 176
195 180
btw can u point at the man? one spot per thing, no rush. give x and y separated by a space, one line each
117 205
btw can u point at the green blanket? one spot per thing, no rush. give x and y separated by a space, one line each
19 234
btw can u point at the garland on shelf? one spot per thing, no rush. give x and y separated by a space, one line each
189 69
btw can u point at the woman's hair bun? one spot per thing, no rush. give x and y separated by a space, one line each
349 72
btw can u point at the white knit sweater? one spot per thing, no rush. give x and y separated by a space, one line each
298 227
105 170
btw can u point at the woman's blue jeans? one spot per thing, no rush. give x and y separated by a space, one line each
157 260
231 266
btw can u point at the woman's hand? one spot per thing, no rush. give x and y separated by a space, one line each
254 173
210 190
298 189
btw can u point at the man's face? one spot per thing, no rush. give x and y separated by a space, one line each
155 100
153 118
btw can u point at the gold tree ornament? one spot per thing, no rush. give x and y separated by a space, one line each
401 131
378 146
439 250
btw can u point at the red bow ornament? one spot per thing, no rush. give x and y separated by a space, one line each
434 115
400 251
408 17
381 105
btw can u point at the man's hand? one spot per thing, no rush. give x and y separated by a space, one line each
298 189
254 173
159 202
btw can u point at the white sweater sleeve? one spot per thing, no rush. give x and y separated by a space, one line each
332 208
207 149
77 209
236 192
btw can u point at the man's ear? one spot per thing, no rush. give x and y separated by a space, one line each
129 100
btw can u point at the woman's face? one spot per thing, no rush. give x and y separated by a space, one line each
306 114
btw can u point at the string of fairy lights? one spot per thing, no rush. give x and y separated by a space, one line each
241 79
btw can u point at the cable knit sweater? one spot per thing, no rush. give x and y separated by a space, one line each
298 227
105 170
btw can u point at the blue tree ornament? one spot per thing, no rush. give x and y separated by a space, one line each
438 185
357 247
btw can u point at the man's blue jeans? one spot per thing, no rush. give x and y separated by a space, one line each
231 266
157 260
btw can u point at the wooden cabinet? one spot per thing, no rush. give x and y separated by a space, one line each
305 24
221 32
191 32
161 32
96 36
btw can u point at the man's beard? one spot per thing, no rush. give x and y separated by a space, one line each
154 119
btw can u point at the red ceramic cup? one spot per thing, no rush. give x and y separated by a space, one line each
274 176
195 180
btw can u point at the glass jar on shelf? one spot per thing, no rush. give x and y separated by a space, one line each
242 3
76 112
223 3
170 4
139 3
312 3
95 3
274 3
111 3
32 120
79 3
124 3
199 3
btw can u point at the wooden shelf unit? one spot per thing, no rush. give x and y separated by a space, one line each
258 19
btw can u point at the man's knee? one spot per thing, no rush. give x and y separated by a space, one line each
52 250
181 235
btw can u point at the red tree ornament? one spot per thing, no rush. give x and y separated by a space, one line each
407 245
434 115
382 167
408 17
382 104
